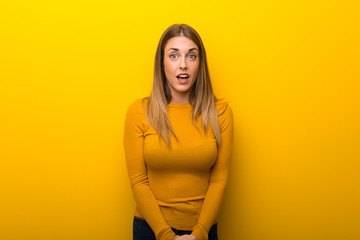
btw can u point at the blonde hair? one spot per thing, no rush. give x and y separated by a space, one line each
201 97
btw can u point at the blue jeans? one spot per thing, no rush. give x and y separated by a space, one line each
142 231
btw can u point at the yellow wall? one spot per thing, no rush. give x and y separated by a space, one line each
68 71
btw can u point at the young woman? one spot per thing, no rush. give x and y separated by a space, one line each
178 144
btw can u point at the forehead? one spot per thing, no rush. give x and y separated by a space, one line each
180 42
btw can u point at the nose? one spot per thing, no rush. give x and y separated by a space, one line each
183 64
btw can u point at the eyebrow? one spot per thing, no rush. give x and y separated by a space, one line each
176 49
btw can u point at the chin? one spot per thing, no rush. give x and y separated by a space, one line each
183 90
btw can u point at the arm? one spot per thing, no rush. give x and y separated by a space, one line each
144 198
218 178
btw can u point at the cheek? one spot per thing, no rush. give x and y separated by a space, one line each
196 67
168 66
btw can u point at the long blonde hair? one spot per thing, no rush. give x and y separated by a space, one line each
201 97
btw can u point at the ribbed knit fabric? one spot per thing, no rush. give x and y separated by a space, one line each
181 187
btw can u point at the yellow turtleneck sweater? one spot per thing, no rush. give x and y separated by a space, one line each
181 187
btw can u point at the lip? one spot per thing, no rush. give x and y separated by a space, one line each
183 81
183 73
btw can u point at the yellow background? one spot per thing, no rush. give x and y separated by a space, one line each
69 69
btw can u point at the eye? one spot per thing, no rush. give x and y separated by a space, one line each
171 56
192 56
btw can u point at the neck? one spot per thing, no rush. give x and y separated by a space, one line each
180 98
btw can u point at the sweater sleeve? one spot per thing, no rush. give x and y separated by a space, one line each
133 145
218 178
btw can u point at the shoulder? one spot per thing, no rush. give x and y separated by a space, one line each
137 107
225 114
223 107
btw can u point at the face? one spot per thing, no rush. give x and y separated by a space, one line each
181 64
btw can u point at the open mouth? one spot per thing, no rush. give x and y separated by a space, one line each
182 76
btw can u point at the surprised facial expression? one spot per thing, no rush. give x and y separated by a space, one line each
181 64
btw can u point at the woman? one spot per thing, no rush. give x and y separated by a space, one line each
178 143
